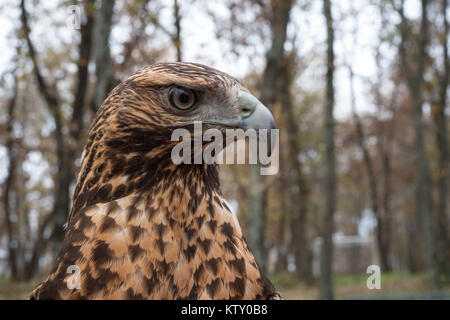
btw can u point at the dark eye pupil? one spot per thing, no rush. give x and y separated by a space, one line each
184 97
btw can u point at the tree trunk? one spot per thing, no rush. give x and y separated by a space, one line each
268 92
66 146
386 216
177 35
372 182
442 143
282 253
423 192
9 190
297 196
61 195
384 133
102 53
326 259
255 219
72 141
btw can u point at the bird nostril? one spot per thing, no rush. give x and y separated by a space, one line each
246 111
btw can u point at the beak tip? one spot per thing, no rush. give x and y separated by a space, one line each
260 117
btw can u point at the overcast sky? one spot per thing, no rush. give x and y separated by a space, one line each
200 44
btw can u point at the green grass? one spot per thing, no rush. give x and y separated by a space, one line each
388 277
284 280
393 285
16 290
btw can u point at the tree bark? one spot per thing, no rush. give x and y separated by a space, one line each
102 53
84 54
268 91
8 190
298 197
282 252
255 219
423 192
442 143
177 35
66 145
326 259
61 196
372 181
385 133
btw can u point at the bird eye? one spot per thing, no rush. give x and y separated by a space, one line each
182 98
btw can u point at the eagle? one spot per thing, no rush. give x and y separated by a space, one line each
143 227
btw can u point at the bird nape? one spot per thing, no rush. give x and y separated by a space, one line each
143 227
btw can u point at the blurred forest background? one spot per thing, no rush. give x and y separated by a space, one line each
359 90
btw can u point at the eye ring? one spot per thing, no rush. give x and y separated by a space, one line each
182 98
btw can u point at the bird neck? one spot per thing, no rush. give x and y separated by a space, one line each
107 173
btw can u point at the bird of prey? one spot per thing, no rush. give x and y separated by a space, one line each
142 227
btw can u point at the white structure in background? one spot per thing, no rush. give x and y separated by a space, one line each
3 255
351 254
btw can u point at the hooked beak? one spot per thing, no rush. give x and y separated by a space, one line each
256 116
252 115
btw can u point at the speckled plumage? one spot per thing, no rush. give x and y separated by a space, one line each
142 227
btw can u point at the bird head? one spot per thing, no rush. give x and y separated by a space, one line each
130 137
174 95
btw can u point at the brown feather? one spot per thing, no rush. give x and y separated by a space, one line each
142 227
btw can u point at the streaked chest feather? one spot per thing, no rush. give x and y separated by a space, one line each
138 247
